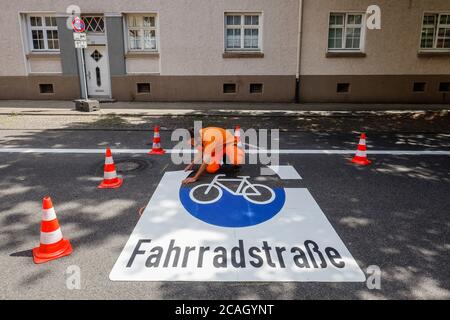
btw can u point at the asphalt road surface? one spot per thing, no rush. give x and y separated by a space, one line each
393 214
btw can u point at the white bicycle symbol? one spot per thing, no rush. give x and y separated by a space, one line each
254 193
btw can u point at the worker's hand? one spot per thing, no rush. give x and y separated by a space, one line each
189 180
189 167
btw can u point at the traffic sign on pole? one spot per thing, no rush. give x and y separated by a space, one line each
79 36
80 40
78 25
80 44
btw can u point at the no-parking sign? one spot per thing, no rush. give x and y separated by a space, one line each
78 25
234 229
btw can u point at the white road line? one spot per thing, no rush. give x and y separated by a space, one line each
251 146
260 151
286 172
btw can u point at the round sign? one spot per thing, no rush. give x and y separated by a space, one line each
78 25
217 204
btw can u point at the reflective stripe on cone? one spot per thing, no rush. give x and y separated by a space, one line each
51 237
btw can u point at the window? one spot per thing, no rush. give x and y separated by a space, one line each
419 87
46 88
256 87
94 24
435 32
141 32
345 31
43 33
229 88
444 87
343 87
143 87
243 32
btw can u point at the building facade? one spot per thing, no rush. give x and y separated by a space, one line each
227 50
406 61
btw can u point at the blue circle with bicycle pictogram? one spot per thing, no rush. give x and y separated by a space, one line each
232 202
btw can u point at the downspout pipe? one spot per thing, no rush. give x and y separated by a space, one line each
299 51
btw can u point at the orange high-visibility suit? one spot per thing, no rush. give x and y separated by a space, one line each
215 143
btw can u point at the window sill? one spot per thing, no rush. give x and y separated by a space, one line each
430 53
41 74
240 54
143 54
345 54
43 55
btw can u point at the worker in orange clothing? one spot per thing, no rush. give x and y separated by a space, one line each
214 144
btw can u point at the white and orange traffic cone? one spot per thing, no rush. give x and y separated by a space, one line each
361 154
52 244
110 178
237 137
156 148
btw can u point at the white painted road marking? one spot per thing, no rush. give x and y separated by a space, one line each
286 172
260 151
297 244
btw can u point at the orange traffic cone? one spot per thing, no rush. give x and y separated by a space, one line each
52 244
156 148
361 156
110 178
237 137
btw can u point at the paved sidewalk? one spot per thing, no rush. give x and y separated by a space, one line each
38 115
411 122
42 107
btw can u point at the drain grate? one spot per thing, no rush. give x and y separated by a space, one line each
130 165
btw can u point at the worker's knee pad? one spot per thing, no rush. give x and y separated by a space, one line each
212 168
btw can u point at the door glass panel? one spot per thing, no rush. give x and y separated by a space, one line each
97 75
96 55
94 24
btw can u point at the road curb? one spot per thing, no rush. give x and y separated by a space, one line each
219 113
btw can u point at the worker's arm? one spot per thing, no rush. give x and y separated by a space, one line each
197 159
197 174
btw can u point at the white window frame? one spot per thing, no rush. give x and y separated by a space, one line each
155 28
437 26
344 31
242 27
44 30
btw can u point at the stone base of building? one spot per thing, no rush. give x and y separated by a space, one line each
40 87
204 88
374 89
313 88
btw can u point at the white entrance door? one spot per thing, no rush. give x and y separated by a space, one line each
97 71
